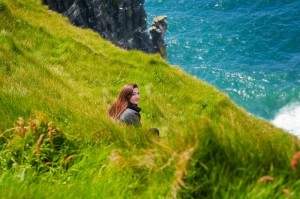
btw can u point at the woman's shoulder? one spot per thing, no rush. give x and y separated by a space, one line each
128 112
130 116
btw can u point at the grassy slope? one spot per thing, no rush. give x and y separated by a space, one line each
211 147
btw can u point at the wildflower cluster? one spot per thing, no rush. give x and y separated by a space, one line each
38 143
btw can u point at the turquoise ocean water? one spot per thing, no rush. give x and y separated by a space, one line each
247 49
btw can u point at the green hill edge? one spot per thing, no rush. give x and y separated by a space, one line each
57 82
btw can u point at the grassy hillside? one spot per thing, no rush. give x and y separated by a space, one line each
56 84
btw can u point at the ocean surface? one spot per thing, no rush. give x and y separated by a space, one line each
247 49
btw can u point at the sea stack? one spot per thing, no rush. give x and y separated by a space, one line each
157 31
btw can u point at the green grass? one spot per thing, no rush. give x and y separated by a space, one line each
61 80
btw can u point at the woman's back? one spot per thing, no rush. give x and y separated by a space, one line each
130 116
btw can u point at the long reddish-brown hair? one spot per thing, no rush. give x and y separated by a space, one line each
119 106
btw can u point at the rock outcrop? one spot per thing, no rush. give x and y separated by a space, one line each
157 31
123 22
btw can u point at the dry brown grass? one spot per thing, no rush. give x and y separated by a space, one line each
38 144
115 158
295 160
266 179
287 193
21 126
33 125
50 131
181 170
69 158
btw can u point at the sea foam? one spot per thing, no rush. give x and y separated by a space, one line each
288 118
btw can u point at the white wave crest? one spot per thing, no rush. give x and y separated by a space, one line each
288 118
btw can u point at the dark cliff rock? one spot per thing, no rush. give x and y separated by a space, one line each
123 22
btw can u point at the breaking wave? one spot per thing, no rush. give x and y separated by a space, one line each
288 118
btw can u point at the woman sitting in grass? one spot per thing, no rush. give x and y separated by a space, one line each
125 109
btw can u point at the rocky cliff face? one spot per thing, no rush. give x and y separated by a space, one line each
123 22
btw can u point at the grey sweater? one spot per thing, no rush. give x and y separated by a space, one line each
130 116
